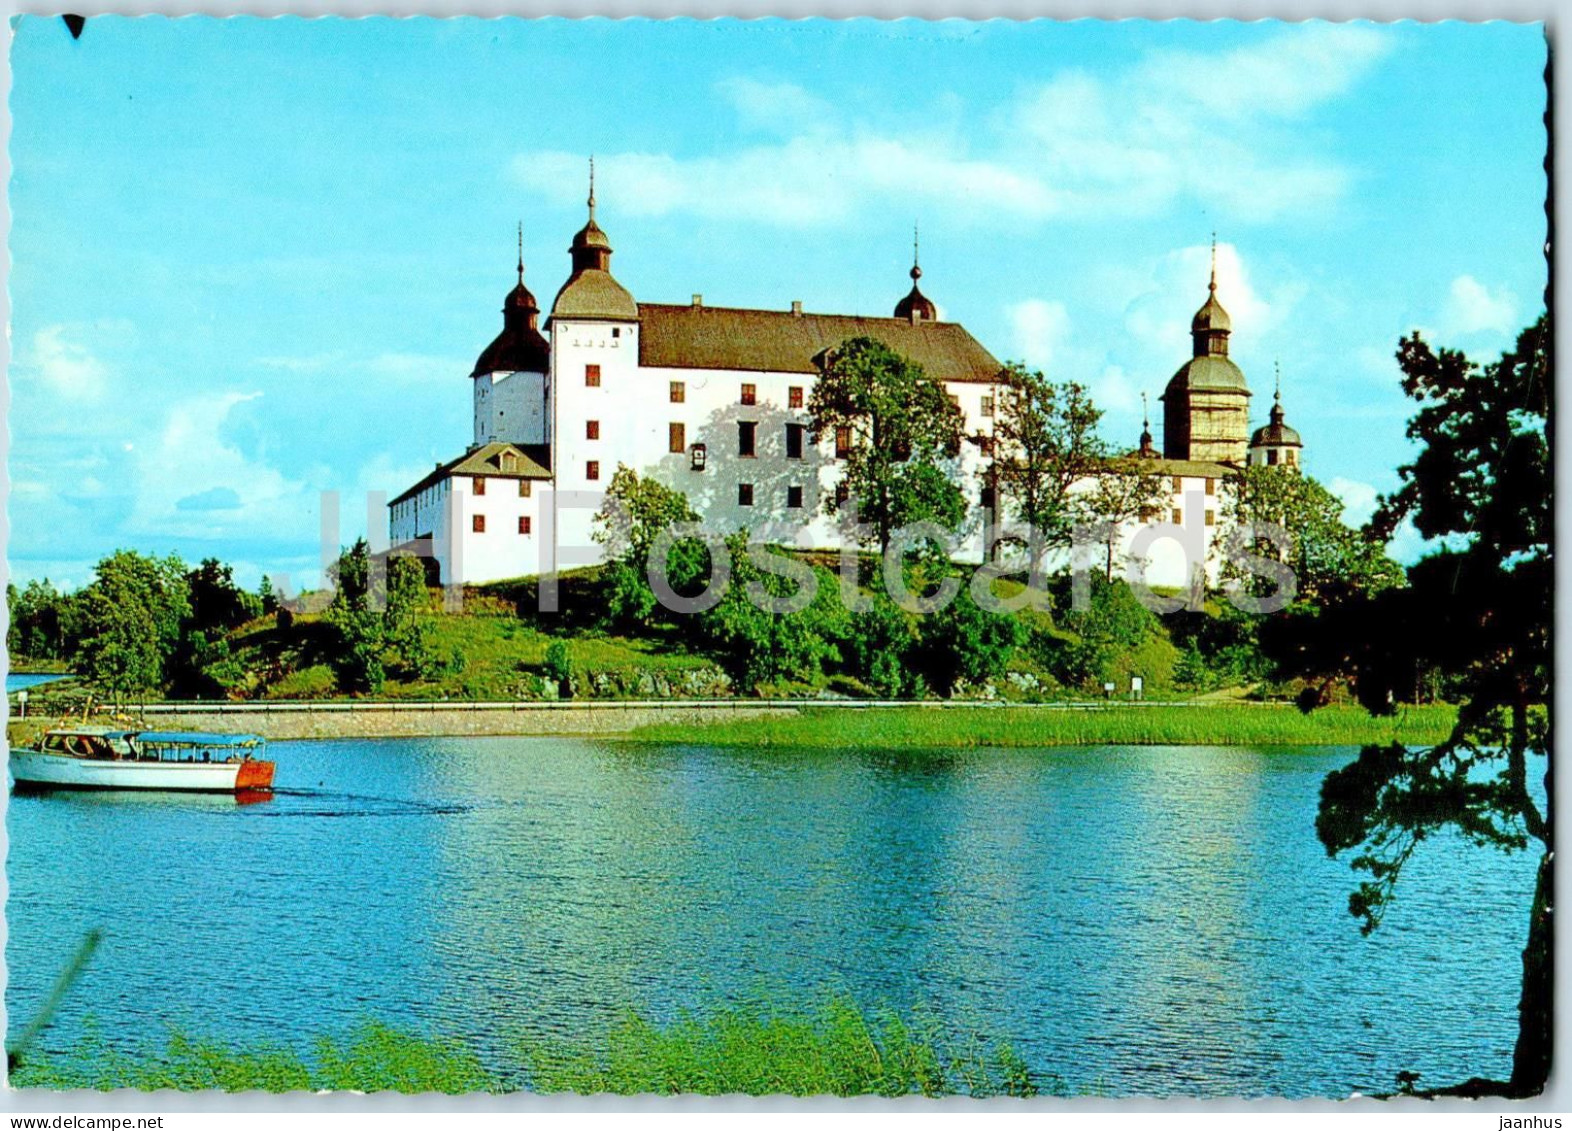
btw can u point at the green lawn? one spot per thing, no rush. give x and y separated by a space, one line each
1207 725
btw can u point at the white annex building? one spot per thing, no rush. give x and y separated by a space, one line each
712 401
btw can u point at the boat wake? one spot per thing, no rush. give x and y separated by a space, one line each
334 803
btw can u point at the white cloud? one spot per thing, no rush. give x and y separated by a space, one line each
68 368
1471 307
1359 499
1222 129
190 460
1041 328
808 181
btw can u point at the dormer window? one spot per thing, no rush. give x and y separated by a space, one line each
508 461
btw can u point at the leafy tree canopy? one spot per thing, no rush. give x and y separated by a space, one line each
1480 612
904 433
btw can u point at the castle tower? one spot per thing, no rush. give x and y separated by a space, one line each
510 374
1206 406
1276 445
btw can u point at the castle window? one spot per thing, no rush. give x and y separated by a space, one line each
677 438
524 524
679 392
1178 483
987 406
1211 486
794 396
478 487
1178 517
1271 456
794 441
745 494
746 438
477 523
987 497
750 394
524 488
1211 518
592 429
842 494
842 441
592 376
508 461
616 331
1291 458
794 497
592 469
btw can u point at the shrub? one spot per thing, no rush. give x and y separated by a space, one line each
559 667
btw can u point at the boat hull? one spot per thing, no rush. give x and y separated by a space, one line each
31 769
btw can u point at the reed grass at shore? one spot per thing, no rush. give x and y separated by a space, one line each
1199 725
834 1048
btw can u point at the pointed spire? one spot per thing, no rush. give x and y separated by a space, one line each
592 189
1212 286
1277 381
916 306
521 253
1146 450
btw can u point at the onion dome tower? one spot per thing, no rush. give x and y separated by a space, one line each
509 379
916 306
1276 445
520 348
1206 406
591 294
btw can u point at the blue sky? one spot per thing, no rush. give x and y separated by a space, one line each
253 260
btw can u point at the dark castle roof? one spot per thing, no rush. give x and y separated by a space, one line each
709 337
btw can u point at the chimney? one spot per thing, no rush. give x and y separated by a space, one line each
698 300
796 307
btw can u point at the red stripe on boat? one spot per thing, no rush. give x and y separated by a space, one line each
254 775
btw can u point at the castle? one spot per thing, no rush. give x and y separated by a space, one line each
712 401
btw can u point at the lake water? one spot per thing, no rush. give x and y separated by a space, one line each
1134 920
16 681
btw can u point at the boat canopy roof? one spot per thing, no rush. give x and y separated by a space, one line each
93 732
195 738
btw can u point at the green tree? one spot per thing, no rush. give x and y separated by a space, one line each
1327 554
964 642
1046 437
904 434
217 603
40 621
1113 625
635 512
359 660
1479 611
757 645
404 633
559 667
879 647
131 619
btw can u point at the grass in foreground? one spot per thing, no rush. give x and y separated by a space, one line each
833 1049
1224 725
